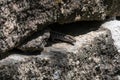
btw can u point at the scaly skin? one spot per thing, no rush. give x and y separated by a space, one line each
56 36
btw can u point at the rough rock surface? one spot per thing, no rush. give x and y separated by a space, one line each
19 19
114 27
93 57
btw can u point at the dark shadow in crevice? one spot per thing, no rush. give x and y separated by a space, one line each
108 18
118 17
20 52
76 28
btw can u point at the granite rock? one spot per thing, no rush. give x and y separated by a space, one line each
20 19
93 56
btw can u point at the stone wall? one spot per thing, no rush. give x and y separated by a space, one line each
94 55
20 19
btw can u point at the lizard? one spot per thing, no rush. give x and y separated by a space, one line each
39 42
